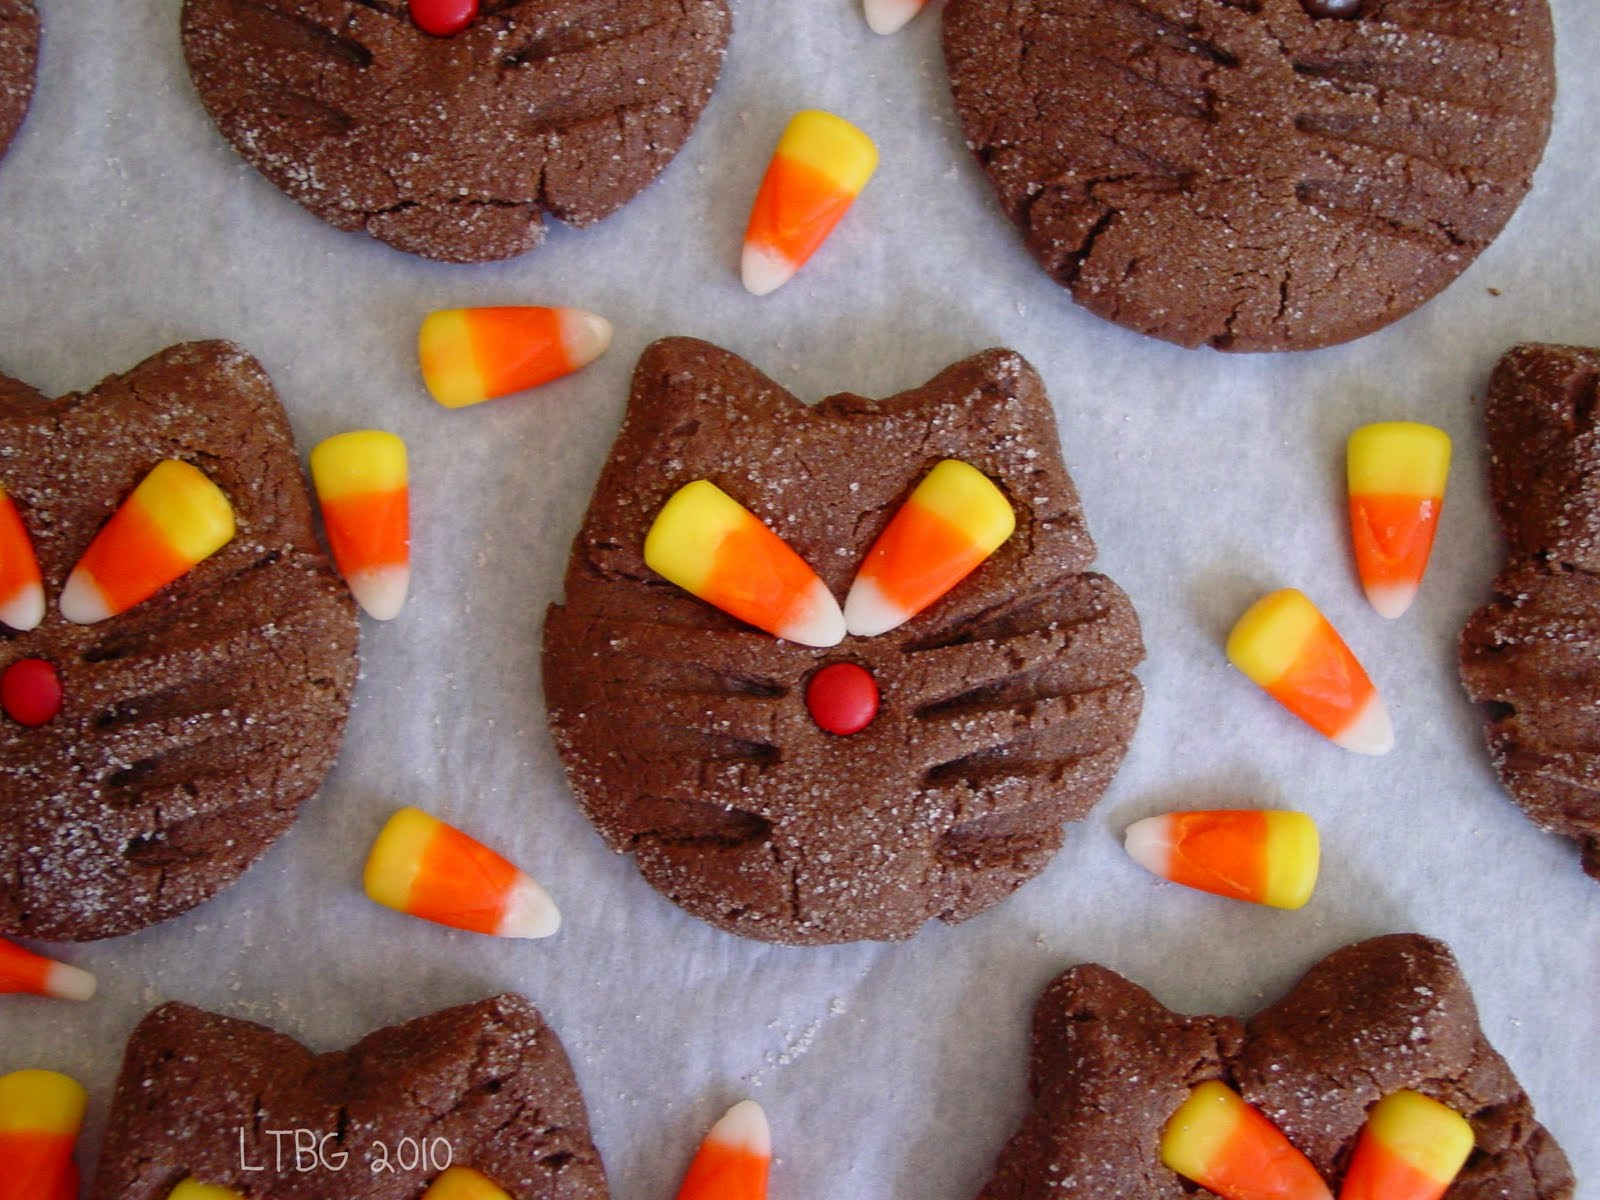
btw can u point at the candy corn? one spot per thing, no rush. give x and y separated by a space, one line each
1268 857
733 1161
1229 1148
362 486
891 16
40 1115
463 1183
420 865
1284 644
954 520
821 164
1396 473
474 354
1411 1148
713 547
190 1189
21 590
174 519
24 971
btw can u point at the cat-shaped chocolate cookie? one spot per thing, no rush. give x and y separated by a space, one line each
1004 708
192 725
484 1087
1531 656
1111 1064
453 147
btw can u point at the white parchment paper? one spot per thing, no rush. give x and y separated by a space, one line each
889 1072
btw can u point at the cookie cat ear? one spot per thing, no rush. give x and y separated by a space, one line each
954 520
175 519
21 589
715 548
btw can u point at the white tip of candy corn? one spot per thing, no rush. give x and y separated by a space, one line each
890 16
1391 600
585 336
1371 732
743 1127
381 591
762 271
66 982
868 612
25 609
1149 843
821 625
82 602
530 912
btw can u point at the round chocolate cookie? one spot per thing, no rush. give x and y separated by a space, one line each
1254 174
693 741
453 147
192 725
1531 656
484 1086
19 59
1111 1064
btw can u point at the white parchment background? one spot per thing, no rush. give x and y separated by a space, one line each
890 1072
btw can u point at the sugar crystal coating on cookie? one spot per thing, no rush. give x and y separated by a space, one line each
1002 709
1249 174
192 725
454 147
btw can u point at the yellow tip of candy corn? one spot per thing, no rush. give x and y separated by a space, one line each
954 520
1284 645
36 1101
1230 1148
423 867
469 355
1411 1148
1267 857
363 488
715 548
1396 472
734 1159
191 1189
463 1183
890 16
175 519
819 167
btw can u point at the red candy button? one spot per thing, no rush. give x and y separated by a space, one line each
30 691
842 698
443 17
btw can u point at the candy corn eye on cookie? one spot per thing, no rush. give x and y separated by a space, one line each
830 672
476 1102
179 654
447 132
1370 1071
1530 656
1270 175
19 58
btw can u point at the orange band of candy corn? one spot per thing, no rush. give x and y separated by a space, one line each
733 1161
1230 1148
24 971
41 1113
1411 1148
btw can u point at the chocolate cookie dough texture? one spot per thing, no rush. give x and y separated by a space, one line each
1004 708
199 1092
1110 1065
1248 175
194 724
19 59
1531 656
453 147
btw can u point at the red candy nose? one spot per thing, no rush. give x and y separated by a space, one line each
30 691
442 18
842 698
